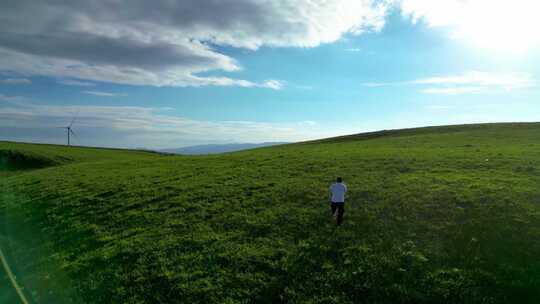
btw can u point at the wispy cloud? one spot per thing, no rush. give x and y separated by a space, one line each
104 94
307 123
453 91
72 82
15 81
362 51
127 126
507 81
376 84
11 98
467 83
438 108
273 84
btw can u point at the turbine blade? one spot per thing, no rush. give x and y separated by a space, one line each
73 133
74 118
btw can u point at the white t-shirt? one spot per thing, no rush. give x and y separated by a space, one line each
338 192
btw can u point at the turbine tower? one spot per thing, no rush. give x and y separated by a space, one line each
70 130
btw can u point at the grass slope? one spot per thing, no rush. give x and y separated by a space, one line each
444 214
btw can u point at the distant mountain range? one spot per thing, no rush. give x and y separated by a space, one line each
218 148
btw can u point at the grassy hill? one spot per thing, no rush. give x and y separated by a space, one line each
433 215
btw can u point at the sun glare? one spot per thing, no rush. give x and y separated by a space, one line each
510 26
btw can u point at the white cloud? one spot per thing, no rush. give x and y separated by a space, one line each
15 81
164 43
497 25
104 94
434 13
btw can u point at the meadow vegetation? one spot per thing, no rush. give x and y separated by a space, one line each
433 215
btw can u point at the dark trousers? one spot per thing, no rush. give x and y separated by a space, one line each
340 207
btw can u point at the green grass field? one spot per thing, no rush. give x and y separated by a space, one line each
433 215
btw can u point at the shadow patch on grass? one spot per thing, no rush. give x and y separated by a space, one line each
11 160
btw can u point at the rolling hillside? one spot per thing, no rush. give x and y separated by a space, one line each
433 215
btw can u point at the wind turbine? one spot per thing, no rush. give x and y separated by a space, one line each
70 130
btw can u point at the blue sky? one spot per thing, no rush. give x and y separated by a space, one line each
339 68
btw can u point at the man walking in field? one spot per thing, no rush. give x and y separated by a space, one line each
337 191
